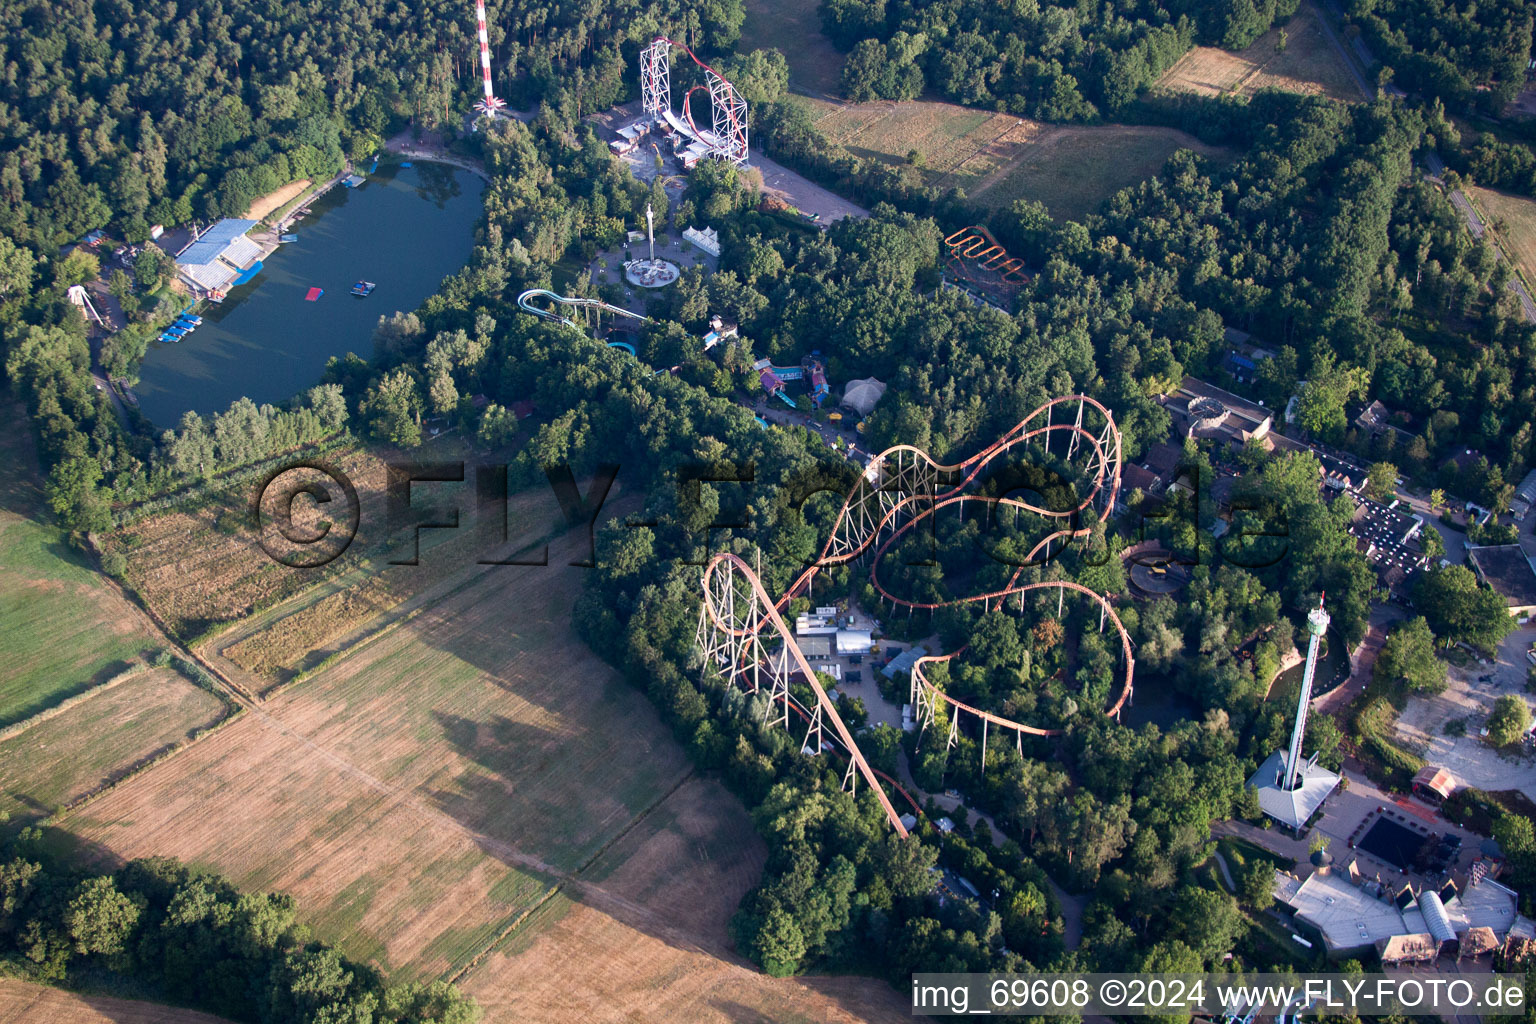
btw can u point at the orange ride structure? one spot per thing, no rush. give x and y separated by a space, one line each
744 639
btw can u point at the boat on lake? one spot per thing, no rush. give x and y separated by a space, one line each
363 288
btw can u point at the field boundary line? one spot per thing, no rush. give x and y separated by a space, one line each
134 598
517 922
644 813
1014 122
395 618
15 729
505 933
143 764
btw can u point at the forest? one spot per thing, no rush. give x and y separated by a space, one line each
1473 56
1052 61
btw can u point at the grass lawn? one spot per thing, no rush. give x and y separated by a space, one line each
63 627
794 29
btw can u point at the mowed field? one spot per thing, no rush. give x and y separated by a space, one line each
689 865
24 1003
997 158
68 755
418 795
1514 218
470 793
1308 64
63 628
794 28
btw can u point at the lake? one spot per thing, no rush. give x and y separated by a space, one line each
405 230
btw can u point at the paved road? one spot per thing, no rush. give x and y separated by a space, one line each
1366 89
802 193
1475 225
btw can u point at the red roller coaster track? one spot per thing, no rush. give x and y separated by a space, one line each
903 480
727 138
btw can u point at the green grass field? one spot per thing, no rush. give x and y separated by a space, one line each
107 733
1073 170
794 29
63 627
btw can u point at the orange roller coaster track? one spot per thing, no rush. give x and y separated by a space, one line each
977 244
902 488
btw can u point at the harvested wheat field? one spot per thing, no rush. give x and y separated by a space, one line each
24 1003
419 795
273 647
1308 63
100 738
687 866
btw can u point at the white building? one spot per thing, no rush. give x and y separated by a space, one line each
1352 912
219 258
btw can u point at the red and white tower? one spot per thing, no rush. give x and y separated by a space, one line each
491 104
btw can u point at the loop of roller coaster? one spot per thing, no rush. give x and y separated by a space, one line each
904 480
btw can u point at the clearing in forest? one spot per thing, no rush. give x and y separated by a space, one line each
1514 221
1072 170
276 200
793 27
997 158
1307 63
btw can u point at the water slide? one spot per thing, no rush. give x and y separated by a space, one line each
525 303
773 379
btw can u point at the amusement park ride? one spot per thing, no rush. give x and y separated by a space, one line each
726 138
901 491
491 105
650 272
525 303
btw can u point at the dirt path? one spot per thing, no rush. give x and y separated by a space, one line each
1002 149
274 200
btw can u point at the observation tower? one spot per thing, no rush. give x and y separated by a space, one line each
1292 789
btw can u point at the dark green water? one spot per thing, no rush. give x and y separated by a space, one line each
405 230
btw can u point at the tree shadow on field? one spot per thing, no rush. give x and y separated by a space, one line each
503 786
